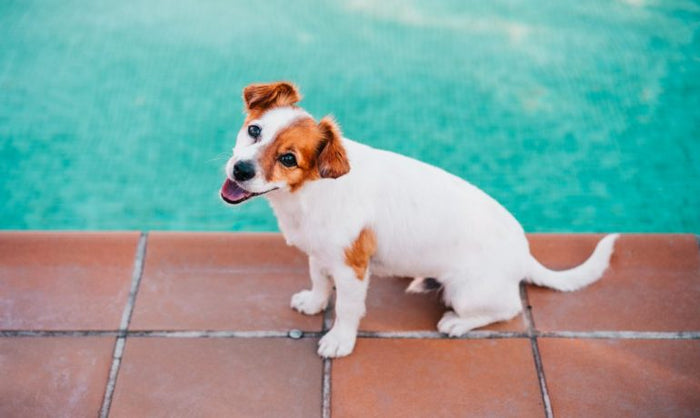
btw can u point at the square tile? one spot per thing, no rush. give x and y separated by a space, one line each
390 308
653 284
216 281
53 377
436 378
270 377
65 280
622 377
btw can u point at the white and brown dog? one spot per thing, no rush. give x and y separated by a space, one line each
357 210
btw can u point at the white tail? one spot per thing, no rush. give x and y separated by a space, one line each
577 277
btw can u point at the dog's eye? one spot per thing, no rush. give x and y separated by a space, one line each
254 131
288 160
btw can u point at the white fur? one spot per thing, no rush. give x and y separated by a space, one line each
428 223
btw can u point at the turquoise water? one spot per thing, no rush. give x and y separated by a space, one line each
577 116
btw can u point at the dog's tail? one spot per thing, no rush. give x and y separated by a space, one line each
579 276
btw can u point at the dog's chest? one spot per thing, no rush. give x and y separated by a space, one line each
292 223
293 232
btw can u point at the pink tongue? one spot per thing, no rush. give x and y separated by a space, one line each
232 193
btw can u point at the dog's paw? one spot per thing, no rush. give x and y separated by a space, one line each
453 325
336 344
308 302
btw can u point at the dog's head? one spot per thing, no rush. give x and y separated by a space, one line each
280 146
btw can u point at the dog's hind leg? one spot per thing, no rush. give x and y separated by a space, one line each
478 304
423 285
311 302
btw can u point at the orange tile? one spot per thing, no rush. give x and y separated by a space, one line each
390 308
61 280
436 378
221 282
653 284
165 377
53 377
595 378
224 250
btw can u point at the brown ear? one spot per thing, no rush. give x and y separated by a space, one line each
332 160
265 96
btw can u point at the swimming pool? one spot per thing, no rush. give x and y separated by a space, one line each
576 116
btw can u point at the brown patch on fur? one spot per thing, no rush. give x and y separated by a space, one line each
358 254
261 97
301 139
332 160
317 149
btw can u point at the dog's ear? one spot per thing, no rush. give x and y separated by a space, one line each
265 96
332 160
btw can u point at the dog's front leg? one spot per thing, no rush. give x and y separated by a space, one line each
311 302
349 309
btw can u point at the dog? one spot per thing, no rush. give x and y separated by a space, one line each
356 210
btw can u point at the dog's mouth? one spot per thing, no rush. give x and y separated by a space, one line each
232 193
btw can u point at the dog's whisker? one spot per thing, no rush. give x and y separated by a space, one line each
220 157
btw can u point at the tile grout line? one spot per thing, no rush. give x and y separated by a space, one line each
57 333
137 273
135 283
218 334
529 320
471 335
112 380
434 335
327 365
622 335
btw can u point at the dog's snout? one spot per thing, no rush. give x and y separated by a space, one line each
243 170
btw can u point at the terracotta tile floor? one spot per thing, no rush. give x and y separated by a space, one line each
197 324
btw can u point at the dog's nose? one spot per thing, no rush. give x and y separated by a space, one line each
243 170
